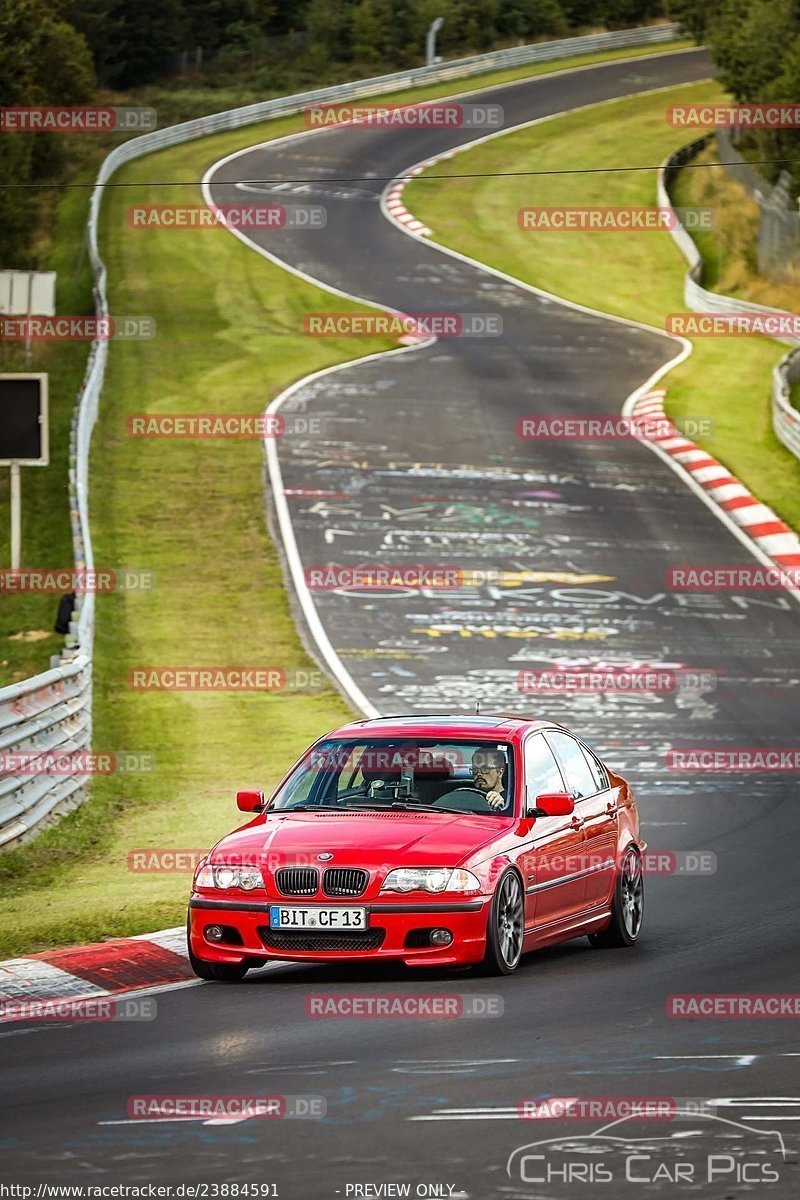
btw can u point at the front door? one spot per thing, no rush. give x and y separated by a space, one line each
595 803
551 863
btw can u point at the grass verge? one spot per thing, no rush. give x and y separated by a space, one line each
27 636
729 248
636 274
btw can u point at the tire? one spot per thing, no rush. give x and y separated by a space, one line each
216 972
505 927
627 909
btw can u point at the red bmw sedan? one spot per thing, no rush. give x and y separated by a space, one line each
432 841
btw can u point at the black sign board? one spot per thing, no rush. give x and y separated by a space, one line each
23 420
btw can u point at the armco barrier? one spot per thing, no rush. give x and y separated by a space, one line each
785 417
53 710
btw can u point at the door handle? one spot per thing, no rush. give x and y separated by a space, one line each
611 809
576 823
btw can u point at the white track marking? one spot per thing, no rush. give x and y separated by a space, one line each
486 1116
177 1121
741 1060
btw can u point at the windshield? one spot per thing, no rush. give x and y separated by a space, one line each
416 774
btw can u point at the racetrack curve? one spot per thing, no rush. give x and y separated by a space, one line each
422 448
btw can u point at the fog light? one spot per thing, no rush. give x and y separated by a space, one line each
214 933
441 937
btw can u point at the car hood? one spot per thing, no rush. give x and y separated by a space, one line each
364 839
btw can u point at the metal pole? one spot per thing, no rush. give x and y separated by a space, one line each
16 516
430 45
28 325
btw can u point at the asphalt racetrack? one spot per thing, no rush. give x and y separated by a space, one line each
421 464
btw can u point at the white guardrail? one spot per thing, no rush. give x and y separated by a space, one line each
52 711
785 417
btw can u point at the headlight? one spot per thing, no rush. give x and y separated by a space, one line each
223 877
430 879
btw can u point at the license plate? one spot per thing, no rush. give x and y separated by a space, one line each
317 918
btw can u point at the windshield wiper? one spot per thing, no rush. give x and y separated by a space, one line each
459 812
418 806
310 808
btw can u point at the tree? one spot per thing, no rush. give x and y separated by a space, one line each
372 30
43 60
101 23
149 39
328 24
749 39
694 15
530 19
584 14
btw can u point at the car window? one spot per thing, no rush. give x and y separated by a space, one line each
392 773
351 774
597 769
580 780
541 769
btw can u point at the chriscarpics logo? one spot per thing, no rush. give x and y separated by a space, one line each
693 1153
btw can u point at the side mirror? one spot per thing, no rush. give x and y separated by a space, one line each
252 802
554 804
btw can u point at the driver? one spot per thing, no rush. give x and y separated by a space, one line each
488 767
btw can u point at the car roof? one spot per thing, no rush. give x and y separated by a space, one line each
433 725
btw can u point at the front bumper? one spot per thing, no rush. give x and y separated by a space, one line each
397 922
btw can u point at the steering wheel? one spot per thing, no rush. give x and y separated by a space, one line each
466 788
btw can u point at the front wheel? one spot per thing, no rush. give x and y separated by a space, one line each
505 927
216 972
627 910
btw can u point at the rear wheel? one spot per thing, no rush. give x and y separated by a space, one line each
505 927
217 972
627 910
